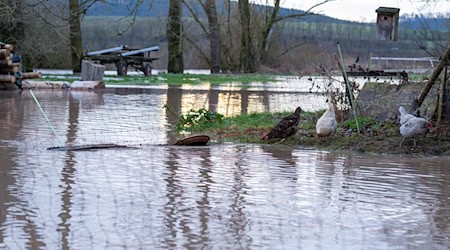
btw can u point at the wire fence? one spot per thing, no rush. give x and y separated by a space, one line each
147 116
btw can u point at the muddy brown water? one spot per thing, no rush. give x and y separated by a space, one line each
221 196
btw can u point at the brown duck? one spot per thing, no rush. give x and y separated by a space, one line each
288 126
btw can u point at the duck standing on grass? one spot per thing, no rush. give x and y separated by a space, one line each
412 126
288 126
326 125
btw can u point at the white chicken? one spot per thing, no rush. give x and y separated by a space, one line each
326 125
412 126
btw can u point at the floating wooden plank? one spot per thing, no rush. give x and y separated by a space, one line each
86 147
30 84
87 85
196 140
134 52
103 51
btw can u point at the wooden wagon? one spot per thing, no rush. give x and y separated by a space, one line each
123 56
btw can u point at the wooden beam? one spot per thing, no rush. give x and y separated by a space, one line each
103 51
134 52
416 103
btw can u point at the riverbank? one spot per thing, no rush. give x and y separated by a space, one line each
374 137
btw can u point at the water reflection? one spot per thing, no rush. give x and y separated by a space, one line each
219 196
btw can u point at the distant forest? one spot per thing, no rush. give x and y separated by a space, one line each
302 44
159 8
298 45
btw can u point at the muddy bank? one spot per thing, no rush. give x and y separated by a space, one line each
379 138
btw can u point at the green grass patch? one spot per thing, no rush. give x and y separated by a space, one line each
172 79
375 136
241 128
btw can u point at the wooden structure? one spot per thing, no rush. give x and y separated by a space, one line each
8 68
387 23
123 56
11 76
91 71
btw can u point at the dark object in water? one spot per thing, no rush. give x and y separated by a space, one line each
86 147
196 140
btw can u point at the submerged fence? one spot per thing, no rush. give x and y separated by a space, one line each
417 65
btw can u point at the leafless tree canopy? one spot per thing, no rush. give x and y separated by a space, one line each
225 36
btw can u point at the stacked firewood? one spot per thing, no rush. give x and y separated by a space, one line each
10 68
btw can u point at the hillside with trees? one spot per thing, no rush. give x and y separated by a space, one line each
278 40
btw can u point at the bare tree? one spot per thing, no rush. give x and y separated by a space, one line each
175 37
273 17
214 34
247 54
76 44
12 26
254 54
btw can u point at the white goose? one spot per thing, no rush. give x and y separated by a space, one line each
326 125
412 126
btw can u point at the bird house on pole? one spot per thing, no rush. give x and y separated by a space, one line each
387 23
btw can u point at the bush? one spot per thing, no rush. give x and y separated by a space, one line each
198 120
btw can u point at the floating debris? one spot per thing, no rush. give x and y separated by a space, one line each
196 140
86 147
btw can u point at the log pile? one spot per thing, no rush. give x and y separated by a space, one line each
10 68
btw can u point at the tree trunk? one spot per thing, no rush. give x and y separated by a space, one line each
76 45
214 35
271 20
247 56
175 38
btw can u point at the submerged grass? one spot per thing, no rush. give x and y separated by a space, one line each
172 79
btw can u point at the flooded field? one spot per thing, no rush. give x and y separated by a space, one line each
221 196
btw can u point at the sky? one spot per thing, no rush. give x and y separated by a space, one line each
364 10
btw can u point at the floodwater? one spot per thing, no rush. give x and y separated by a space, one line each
221 196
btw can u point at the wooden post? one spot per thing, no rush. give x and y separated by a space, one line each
416 103
441 96
350 90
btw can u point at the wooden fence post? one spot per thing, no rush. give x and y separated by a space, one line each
416 103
